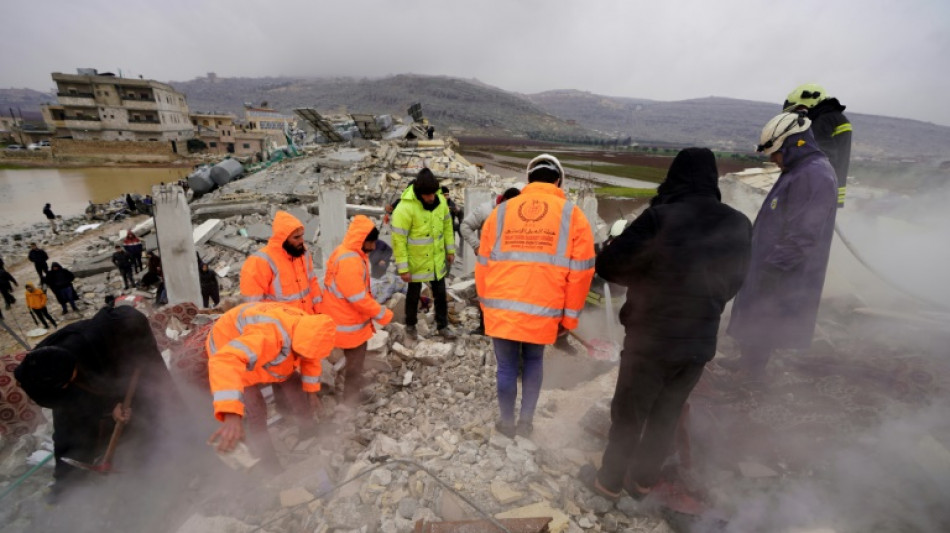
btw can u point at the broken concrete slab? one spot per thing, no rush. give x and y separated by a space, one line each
428 352
225 211
503 493
558 520
513 525
206 230
294 497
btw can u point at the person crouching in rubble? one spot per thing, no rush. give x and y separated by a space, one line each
535 265
83 372
256 344
350 303
682 259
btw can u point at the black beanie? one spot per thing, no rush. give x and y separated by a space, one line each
372 236
426 182
44 372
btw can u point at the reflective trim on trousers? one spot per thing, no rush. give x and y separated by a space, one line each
352 328
522 307
251 356
225 395
310 380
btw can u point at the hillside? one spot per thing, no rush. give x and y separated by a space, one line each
730 124
26 101
449 102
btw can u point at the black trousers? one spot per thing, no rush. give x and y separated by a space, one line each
127 277
353 380
438 294
43 314
644 414
10 299
41 269
210 294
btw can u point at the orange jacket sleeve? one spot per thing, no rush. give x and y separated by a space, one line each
351 281
581 270
316 292
228 366
256 278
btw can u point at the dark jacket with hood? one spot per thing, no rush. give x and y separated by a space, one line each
832 131
6 281
104 351
59 278
38 257
791 243
682 259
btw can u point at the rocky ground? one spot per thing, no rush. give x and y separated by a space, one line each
848 437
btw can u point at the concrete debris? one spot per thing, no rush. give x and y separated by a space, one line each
219 524
503 493
294 497
514 525
428 352
559 521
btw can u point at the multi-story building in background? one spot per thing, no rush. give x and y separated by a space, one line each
269 121
221 135
102 106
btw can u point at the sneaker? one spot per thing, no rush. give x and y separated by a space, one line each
411 333
505 428
447 333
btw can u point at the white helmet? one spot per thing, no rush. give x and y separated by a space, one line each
780 127
545 161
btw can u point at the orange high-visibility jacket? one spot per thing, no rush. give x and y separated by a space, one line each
535 265
35 298
348 299
258 343
273 275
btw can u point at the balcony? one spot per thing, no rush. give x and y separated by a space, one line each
83 123
138 103
145 125
144 121
75 94
76 100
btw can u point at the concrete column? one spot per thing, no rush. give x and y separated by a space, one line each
474 196
332 204
176 244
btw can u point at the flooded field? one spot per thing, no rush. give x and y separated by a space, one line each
23 192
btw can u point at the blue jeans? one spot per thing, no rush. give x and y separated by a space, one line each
513 356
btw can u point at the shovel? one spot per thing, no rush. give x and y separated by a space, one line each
104 464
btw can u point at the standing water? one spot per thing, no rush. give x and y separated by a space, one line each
24 191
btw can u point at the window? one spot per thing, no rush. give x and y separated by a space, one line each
247 146
213 144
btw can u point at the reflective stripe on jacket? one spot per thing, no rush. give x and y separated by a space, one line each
348 299
273 275
422 238
252 344
535 265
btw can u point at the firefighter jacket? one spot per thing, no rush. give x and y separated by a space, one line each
422 237
832 131
535 265
273 275
257 343
35 298
348 299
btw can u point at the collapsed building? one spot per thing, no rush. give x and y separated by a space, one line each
423 451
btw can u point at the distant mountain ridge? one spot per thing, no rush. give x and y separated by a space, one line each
471 107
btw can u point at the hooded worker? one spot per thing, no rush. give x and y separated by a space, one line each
535 266
83 371
424 248
36 300
682 259
777 306
282 271
350 302
258 344
829 125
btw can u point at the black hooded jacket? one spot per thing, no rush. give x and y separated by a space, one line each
58 277
832 131
682 259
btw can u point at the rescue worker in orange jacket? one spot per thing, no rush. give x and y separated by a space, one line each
282 271
535 265
257 344
350 303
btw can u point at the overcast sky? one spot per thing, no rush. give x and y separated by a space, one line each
879 57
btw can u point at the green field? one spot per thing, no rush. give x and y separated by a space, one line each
625 192
637 172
